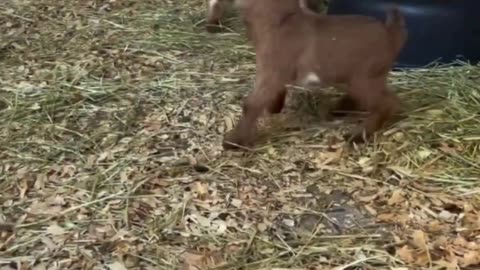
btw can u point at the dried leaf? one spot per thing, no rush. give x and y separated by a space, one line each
117 266
386 217
262 227
371 210
236 203
446 216
367 198
201 188
396 198
446 148
447 265
423 153
435 226
471 258
422 258
48 243
406 254
54 229
420 239
364 161
194 261
288 222
460 241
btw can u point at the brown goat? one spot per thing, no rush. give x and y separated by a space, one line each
296 46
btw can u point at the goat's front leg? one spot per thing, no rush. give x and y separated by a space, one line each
269 93
216 11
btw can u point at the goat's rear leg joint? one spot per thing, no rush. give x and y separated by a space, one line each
381 104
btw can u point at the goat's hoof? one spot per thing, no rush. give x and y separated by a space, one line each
234 141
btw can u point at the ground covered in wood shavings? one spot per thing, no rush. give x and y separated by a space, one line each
111 120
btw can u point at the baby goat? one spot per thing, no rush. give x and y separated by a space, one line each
294 45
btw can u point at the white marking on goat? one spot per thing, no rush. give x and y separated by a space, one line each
311 78
212 3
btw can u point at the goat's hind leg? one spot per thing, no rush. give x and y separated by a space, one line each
381 104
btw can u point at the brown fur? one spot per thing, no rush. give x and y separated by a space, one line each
291 42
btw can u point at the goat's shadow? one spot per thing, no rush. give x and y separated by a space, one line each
308 113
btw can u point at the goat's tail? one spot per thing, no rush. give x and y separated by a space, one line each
397 30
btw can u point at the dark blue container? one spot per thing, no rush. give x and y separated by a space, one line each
441 31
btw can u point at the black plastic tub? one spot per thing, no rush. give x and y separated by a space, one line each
441 31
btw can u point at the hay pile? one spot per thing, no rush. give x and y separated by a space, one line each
112 114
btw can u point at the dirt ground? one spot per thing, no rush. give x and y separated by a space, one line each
112 115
